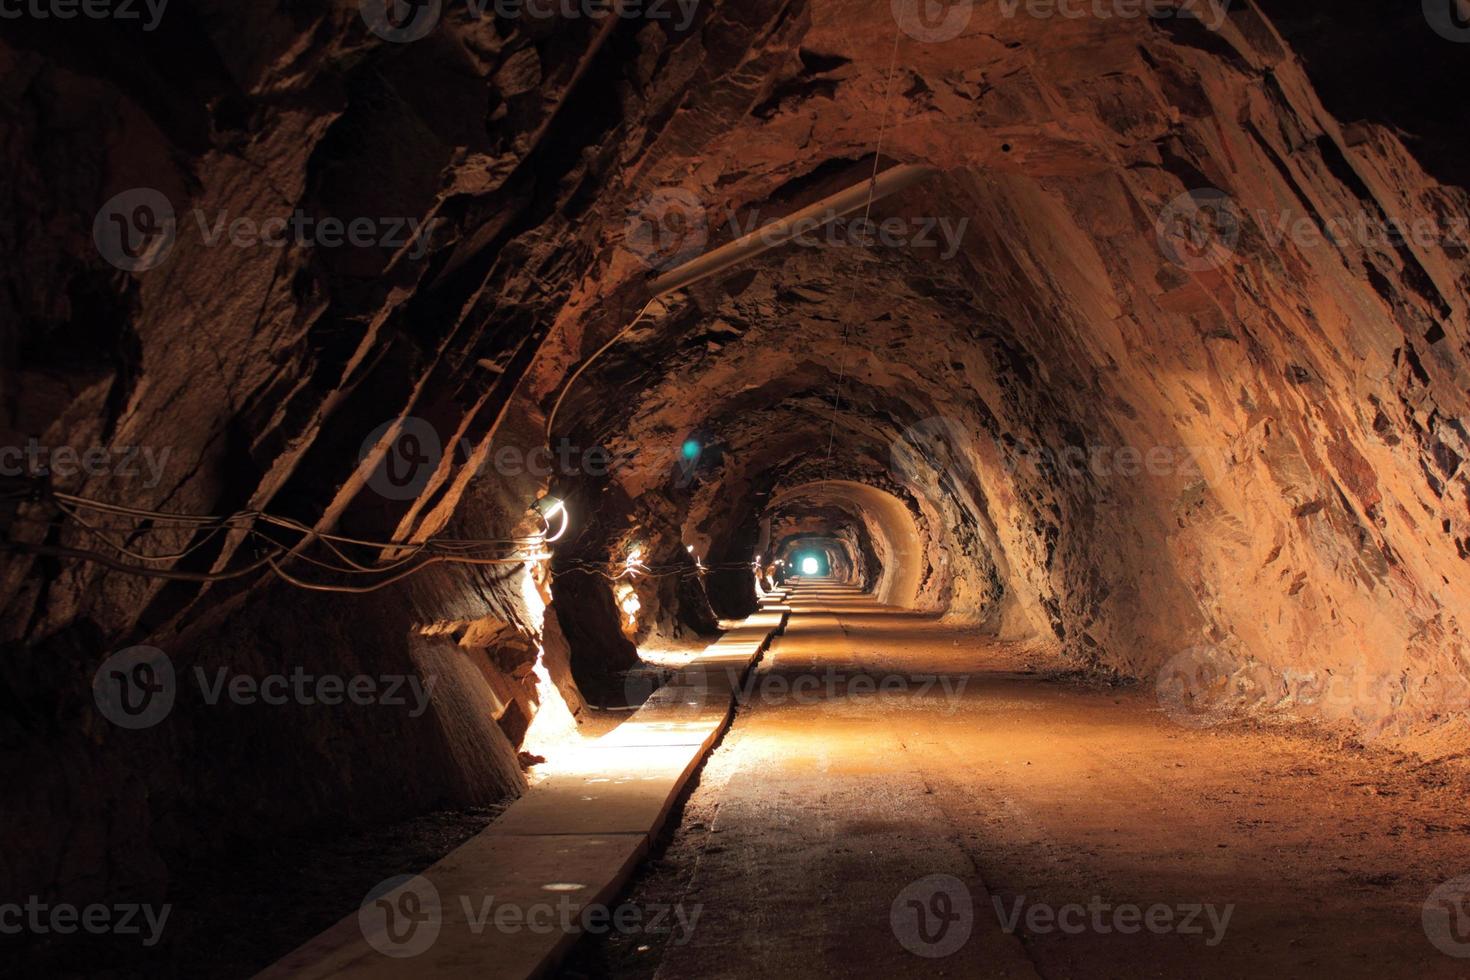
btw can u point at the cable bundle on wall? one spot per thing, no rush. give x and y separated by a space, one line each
125 558
606 569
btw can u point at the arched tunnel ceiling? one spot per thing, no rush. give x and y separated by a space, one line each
1105 443
841 533
1304 400
833 555
893 538
1097 435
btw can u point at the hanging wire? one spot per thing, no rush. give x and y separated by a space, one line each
571 382
852 289
360 590
419 555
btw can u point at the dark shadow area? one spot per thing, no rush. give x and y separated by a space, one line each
234 914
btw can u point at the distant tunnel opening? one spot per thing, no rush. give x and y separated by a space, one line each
450 353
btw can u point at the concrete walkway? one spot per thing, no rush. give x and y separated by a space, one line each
901 797
511 901
897 797
830 819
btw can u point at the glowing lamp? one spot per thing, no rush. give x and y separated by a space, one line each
550 508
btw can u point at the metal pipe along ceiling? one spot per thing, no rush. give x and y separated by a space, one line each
752 244
783 230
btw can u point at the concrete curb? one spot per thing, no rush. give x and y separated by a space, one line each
571 842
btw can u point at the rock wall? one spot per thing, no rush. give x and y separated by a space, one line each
1167 393
1132 405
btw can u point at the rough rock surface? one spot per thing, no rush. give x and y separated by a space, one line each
1117 443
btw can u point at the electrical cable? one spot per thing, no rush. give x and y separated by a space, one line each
361 590
190 519
567 387
852 291
456 551
53 551
136 556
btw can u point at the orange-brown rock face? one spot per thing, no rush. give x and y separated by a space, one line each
1149 364
1164 367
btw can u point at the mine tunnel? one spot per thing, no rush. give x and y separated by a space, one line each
729 488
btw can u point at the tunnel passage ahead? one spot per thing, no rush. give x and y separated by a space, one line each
878 749
1129 414
897 551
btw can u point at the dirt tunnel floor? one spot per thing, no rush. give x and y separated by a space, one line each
1120 842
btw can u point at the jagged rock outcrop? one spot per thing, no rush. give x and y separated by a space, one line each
1119 393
